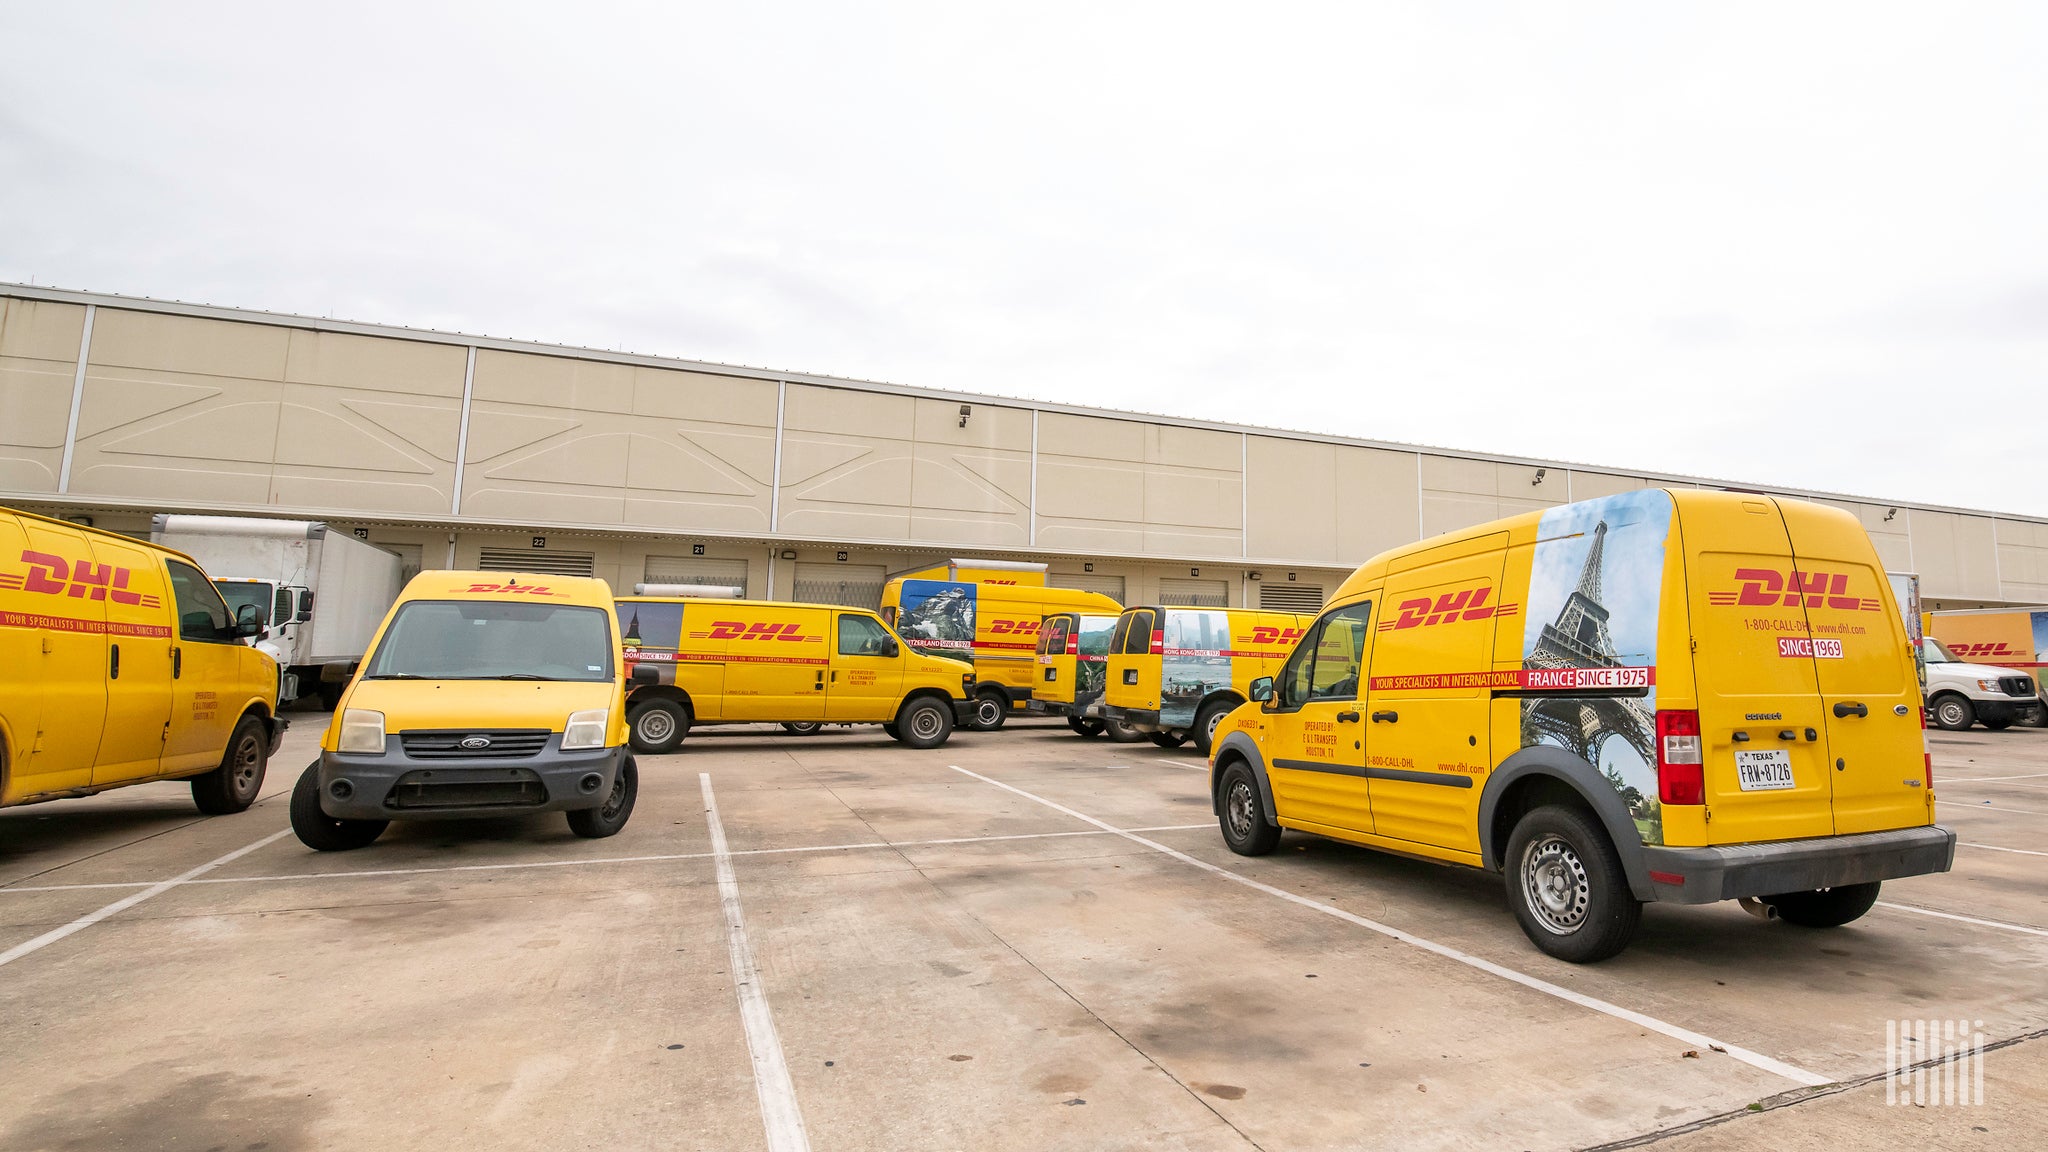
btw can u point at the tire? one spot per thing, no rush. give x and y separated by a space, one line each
1953 712
1206 721
1827 908
1122 733
990 710
1083 726
1169 739
892 731
1998 725
606 819
321 832
1567 888
1242 816
924 723
803 727
658 726
233 786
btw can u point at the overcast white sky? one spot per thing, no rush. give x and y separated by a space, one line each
1797 244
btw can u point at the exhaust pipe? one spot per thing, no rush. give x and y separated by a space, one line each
1758 908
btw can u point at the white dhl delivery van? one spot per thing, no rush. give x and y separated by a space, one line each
1674 696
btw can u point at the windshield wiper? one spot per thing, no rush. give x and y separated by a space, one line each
394 676
520 676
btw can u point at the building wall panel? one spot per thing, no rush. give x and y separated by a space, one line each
38 360
1127 485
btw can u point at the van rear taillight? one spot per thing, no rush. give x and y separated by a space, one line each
1074 643
1158 643
1926 755
1681 770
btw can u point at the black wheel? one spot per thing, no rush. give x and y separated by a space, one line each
1953 712
802 727
1206 721
1243 815
658 726
1084 726
1998 725
1169 739
1121 733
893 732
606 819
1827 908
233 786
1567 888
924 723
990 710
330 694
321 832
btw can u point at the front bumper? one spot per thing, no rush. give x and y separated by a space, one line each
1730 872
392 785
2019 710
963 711
278 724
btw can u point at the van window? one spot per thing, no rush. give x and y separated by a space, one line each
1052 640
253 592
1123 629
863 636
493 640
1095 641
1326 664
202 615
650 625
1138 640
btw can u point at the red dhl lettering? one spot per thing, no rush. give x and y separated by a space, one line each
50 575
1984 648
757 630
1265 637
1466 604
1769 588
1014 627
515 589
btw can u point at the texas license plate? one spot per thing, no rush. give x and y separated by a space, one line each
1764 769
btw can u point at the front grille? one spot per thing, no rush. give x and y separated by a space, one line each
504 744
428 788
2016 685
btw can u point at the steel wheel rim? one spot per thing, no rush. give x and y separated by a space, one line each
988 712
1237 810
924 723
1951 712
656 724
804 728
617 799
248 765
1555 885
1215 722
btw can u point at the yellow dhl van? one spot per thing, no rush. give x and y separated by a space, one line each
750 661
1176 672
989 615
1073 666
1663 695
483 694
119 664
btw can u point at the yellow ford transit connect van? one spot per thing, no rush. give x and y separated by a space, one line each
1663 695
715 661
483 694
1176 672
994 624
120 664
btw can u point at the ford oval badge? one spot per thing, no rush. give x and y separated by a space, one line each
474 742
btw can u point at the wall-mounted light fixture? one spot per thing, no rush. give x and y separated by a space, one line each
1889 513
789 554
966 410
1540 474
1253 575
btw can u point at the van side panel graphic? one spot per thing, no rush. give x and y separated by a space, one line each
1594 590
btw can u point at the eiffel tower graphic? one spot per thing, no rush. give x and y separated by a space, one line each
1579 638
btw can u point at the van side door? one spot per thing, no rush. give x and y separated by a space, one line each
139 639
205 672
776 660
53 661
866 675
1316 747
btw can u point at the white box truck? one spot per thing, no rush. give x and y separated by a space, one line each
322 594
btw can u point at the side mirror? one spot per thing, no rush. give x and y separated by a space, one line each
891 649
1261 690
248 622
646 674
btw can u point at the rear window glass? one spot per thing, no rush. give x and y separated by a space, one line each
651 625
1138 640
493 640
1052 640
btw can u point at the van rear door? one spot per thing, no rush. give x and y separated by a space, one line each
1758 700
1058 647
1864 664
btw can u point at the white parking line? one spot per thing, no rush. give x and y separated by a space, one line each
1995 783
780 1118
127 902
524 864
1986 779
1697 1040
1996 808
1965 919
1996 848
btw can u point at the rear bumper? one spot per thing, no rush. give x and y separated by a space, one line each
1045 707
394 786
1730 872
1143 719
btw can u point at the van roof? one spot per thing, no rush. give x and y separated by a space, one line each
740 603
584 591
89 530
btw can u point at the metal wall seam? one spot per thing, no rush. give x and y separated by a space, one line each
775 478
77 399
1244 494
1031 532
462 432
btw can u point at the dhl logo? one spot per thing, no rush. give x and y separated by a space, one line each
1769 588
1264 637
1984 648
1469 604
742 630
1013 627
515 589
50 575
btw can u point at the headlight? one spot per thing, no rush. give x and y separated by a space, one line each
1988 685
585 729
361 731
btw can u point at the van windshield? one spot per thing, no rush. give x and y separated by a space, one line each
493 640
246 592
1935 652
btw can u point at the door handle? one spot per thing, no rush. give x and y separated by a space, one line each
1385 717
113 661
1850 708
1788 734
177 663
835 675
1347 717
1742 737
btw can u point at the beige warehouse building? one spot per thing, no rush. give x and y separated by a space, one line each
475 452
